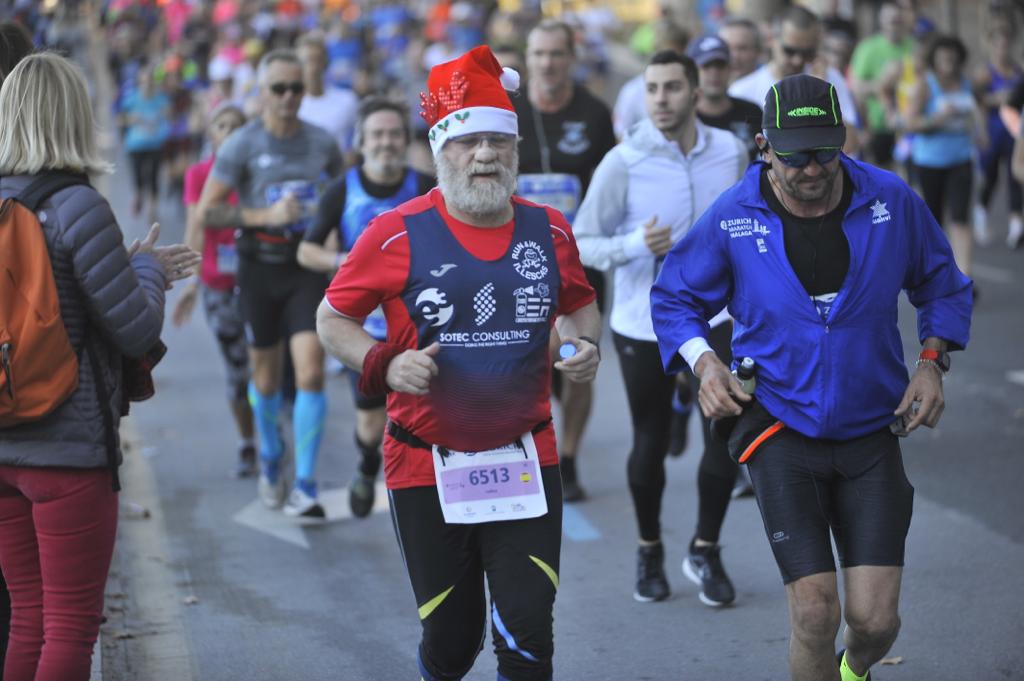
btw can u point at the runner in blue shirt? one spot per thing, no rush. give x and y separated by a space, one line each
810 251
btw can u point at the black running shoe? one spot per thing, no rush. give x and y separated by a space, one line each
839 661
651 584
703 567
571 490
362 494
246 466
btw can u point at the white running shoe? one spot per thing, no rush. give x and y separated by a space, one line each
1015 233
272 492
982 234
301 505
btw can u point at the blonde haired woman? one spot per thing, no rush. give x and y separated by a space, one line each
58 474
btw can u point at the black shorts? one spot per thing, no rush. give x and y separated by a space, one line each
278 301
447 565
881 145
856 488
941 187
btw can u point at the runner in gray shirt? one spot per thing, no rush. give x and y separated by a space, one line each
277 165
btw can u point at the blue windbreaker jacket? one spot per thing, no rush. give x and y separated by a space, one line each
838 378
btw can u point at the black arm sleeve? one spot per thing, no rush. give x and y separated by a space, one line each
328 212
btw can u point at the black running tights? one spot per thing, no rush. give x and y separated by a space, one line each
649 393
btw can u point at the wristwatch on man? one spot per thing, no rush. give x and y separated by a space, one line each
939 358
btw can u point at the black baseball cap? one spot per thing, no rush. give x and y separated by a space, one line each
802 112
708 48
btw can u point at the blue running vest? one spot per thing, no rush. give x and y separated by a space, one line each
360 209
493 321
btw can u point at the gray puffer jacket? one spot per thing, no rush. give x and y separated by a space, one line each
114 304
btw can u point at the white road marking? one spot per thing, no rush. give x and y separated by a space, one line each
290 530
1015 377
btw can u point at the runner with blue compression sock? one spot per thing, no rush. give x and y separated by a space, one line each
278 166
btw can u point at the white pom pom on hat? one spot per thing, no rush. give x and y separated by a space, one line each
509 79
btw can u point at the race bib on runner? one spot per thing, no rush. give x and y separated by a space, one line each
227 259
558 190
498 484
305 193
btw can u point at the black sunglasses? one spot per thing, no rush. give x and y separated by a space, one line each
808 54
297 88
802 159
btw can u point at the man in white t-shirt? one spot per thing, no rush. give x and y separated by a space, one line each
797 39
332 109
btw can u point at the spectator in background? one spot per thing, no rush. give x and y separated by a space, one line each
221 76
794 50
331 108
868 67
246 86
835 21
147 115
58 517
946 121
993 83
837 49
510 57
744 40
714 105
630 106
15 45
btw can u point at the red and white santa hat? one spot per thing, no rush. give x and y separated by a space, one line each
468 95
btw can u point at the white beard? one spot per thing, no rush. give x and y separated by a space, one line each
487 197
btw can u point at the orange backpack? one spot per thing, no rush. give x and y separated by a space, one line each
38 366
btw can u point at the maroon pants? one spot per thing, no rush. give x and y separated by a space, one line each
57 528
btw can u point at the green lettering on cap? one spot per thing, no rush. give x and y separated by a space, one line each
804 111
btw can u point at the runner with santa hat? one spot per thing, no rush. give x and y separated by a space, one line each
471 280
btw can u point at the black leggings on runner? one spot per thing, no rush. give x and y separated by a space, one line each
649 392
146 169
941 187
447 565
717 473
990 169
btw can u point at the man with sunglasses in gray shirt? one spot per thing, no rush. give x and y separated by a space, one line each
278 165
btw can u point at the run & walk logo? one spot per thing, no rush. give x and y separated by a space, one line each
879 213
528 258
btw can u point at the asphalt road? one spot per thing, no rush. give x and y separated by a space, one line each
212 586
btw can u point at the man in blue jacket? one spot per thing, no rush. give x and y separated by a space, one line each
810 251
